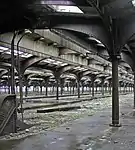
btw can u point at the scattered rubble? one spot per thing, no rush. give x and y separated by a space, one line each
42 122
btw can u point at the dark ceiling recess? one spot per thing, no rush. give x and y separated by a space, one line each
20 14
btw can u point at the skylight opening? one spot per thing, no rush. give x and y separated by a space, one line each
133 2
70 9
48 60
3 48
15 52
26 55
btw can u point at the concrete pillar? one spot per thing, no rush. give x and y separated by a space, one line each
115 93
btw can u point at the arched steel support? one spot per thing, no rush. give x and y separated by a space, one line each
92 30
29 62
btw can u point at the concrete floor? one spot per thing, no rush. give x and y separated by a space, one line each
89 133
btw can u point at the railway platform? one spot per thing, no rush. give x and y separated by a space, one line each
87 133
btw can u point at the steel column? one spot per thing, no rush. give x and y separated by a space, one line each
57 88
46 86
93 85
21 94
78 87
102 88
115 93
134 90
26 89
13 65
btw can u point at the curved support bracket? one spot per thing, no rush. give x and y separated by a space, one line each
128 59
94 30
29 62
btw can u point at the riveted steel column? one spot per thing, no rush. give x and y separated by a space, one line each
82 87
73 84
21 93
53 87
41 87
73 89
93 85
57 88
90 87
13 65
26 89
46 89
96 86
61 85
46 80
120 87
115 93
70 88
9 81
102 86
78 86
93 77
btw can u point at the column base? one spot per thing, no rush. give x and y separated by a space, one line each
115 125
